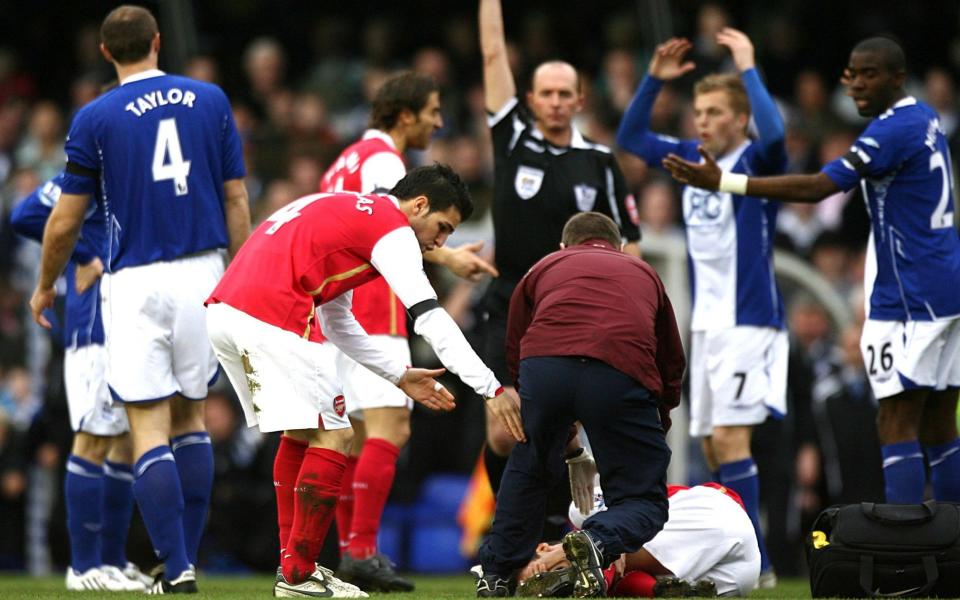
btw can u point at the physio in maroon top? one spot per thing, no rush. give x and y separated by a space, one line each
592 300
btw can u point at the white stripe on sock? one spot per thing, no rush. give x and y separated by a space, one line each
78 469
117 473
190 440
892 460
944 456
143 468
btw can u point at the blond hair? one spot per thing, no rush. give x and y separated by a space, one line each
729 83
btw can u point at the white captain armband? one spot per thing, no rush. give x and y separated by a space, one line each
734 183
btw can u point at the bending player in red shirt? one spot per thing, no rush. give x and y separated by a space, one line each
404 115
706 548
306 259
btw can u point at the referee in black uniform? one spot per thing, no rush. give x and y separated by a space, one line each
545 172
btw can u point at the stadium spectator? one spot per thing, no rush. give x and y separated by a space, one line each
738 348
900 160
167 157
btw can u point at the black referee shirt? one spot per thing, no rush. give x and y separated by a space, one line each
539 186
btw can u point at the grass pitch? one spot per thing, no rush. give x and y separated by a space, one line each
460 587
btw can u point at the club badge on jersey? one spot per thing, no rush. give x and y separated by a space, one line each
586 197
528 181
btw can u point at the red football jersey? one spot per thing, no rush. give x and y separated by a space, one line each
370 164
673 489
305 254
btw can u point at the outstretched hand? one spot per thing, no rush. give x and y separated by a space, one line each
421 386
740 47
705 175
506 408
667 62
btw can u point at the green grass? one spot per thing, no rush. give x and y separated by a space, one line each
17 587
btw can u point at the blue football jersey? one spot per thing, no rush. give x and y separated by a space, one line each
729 236
82 322
159 148
902 163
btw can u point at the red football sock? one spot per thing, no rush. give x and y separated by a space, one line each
345 504
314 506
635 584
286 469
371 485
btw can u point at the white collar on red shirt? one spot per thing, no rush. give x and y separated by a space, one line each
371 134
142 75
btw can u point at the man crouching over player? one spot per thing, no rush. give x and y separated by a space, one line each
303 262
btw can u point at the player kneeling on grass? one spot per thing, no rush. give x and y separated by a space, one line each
302 263
706 548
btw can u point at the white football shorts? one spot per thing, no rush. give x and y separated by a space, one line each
88 397
901 355
282 380
738 376
365 389
707 536
155 327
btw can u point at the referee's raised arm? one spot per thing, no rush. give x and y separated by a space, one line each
498 84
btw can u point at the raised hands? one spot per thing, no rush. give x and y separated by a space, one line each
667 62
740 47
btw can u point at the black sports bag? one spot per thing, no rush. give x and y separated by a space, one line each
867 549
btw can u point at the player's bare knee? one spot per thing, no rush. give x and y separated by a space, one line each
338 440
89 447
186 416
500 441
899 417
121 450
730 444
938 424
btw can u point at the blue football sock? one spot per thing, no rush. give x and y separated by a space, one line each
741 477
157 490
194 456
904 477
944 463
117 512
83 487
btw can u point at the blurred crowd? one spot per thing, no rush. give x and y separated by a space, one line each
297 107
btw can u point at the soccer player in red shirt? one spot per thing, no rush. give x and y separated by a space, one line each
304 261
405 114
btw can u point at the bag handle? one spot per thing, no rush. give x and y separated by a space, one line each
866 578
870 509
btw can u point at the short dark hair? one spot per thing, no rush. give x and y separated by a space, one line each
440 184
404 91
127 32
590 226
889 51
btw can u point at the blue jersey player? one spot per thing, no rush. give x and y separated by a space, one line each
738 346
163 153
911 339
99 477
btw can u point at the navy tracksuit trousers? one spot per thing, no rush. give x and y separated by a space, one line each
628 443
